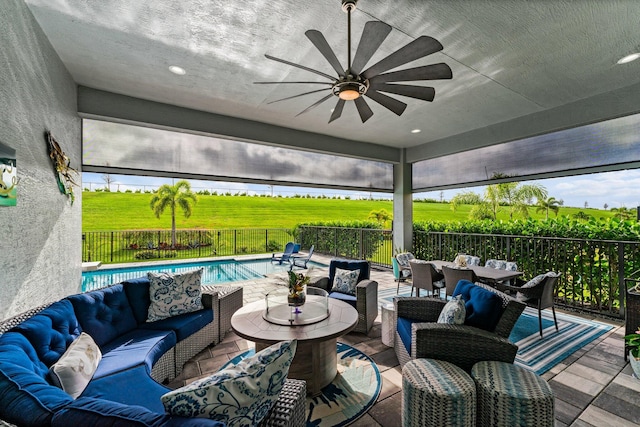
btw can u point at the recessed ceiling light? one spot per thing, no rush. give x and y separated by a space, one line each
177 70
629 58
416 131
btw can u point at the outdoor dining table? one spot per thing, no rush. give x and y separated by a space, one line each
485 274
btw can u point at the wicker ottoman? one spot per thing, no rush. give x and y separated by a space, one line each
437 393
509 395
229 300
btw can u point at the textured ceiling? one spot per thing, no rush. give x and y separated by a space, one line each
510 58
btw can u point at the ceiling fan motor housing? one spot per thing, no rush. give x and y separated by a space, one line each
349 5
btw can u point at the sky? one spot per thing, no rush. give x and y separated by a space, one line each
616 189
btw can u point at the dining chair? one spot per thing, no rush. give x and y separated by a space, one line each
425 276
453 275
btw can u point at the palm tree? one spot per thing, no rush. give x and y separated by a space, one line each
172 196
381 216
550 204
623 213
519 197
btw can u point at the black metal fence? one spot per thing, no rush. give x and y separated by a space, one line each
593 271
139 245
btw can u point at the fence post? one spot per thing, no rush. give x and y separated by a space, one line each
111 257
361 245
622 286
508 247
266 239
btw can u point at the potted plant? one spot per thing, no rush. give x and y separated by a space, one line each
632 342
297 288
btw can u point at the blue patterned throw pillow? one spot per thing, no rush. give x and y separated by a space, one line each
173 294
454 312
240 395
345 281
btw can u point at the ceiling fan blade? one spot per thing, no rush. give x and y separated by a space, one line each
285 83
428 72
419 92
298 95
302 67
337 111
315 104
321 44
387 102
420 47
374 33
363 109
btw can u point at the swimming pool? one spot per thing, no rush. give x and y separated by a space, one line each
214 272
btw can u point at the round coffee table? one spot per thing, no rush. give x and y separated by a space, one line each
316 359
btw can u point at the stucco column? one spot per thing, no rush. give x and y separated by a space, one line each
402 204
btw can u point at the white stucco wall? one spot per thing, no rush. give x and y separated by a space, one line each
40 238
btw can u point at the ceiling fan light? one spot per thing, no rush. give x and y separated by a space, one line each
629 58
348 93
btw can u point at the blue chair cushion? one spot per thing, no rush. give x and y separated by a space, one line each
137 291
51 331
86 411
140 347
344 264
27 398
404 330
483 307
350 299
104 314
184 325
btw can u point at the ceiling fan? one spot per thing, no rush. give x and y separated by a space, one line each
352 83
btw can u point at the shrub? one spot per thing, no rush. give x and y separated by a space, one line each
145 255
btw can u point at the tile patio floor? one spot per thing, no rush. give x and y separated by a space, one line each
593 387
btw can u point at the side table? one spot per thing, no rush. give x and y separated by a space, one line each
229 301
388 326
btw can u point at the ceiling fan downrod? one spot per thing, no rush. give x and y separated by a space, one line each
348 6
349 87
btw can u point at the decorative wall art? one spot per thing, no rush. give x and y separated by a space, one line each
61 167
8 176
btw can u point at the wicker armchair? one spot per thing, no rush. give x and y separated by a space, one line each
365 300
461 345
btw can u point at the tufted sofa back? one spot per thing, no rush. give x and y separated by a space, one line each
104 314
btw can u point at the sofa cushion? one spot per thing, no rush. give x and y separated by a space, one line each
73 371
140 347
137 291
131 386
349 299
344 264
483 307
92 412
240 395
104 314
345 281
51 331
172 294
27 398
184 325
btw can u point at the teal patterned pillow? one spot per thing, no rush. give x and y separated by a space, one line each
345 281
241 395
173 294
453 312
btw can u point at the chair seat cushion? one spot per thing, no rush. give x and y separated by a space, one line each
349 299
483 307
404 330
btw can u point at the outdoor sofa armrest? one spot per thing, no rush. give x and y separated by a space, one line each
420 309
289 409
366 304
209 298
460 344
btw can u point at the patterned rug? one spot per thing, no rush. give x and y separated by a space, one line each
349 396
536 354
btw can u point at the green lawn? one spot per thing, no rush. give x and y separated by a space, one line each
103 211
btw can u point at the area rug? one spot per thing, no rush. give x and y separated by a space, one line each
349 396
534 353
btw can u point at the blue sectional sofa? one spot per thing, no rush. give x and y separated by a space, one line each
136 356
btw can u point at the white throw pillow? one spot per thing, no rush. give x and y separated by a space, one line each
75 368
240 395
454 312
173 294
345 281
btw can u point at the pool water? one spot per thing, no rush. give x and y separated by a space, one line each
214 272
